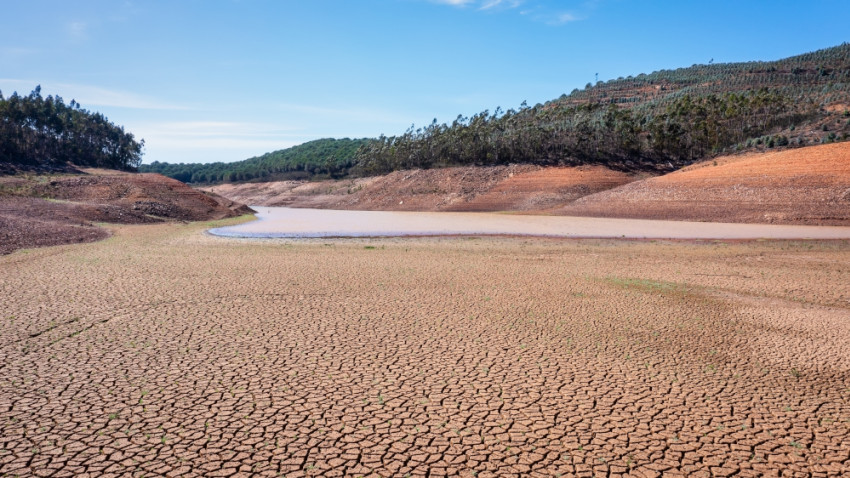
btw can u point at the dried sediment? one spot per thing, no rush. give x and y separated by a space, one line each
165 352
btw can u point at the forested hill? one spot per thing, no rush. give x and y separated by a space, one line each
320 158
650 122
657 121
38 133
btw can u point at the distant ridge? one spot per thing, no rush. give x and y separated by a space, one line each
321 158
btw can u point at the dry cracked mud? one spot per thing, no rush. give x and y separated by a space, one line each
165 352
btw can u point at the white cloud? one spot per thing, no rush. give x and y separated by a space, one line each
491 4
194 141
550 17
534 10
204 129
77 30
87 95
481 4
562 18
455 3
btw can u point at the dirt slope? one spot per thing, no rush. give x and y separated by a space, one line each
544 189
497 188
796 186
60 209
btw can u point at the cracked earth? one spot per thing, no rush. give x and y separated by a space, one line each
165 352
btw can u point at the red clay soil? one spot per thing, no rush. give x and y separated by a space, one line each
796 186
50 210
523 188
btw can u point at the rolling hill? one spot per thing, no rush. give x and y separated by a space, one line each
321 158
652 122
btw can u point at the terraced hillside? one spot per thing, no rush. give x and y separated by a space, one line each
654 122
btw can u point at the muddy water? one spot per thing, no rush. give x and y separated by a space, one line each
291 222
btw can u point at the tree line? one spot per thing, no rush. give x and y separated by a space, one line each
322 158
38 132
592 133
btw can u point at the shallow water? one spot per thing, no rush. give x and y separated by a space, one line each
290 222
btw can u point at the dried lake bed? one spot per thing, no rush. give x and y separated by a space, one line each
165 351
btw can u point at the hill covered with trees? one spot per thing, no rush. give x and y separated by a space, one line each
45 133
320 158
658 121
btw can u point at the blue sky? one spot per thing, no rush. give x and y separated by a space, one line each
216 80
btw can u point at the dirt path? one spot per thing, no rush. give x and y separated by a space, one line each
165 352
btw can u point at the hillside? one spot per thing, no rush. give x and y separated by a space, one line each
56 209
520 188
815 76
808 185
653 122
798 186
314 159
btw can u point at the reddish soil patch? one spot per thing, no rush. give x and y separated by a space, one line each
544 189
51 210
31 222
797 186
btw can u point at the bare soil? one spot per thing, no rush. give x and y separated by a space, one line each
795 186
44 210
521 188
167 352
